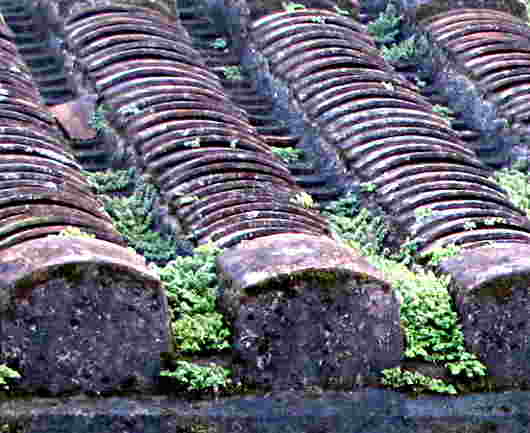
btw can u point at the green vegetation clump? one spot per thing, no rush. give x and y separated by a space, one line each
194 142
292 7
98 121
204 332
386 32
353 223
76 232
343 12
407 253
219 43
417 382
232 73
303 199
368 187
134 218
111 180
288 154
130 109
437 255
191 287
194 377
403 51
444 112
364 229
347 206
430 323
385 28
7 373
428 317
516 185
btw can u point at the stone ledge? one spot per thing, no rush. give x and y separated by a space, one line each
382 411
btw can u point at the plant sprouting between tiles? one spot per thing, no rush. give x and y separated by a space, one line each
197 377
191 285
232 73
104 182
134 218
428 316
292 7
385 28
288 154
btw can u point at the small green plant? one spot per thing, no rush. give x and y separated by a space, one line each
355 225
130 109
343 12
134 218
201 331
403 279
191 282
408 251
470 225
423 213
386 27
404 51
364 232
7 373
388 85
191 287
432 330
195 377
292 7
437 255
368 187
516 184
444 112
219 43
347 206
98 120
185 132
303 199
187 199
288 154
494 220
111 180
417 382
318 19
75 232
428 318
232 73
467 364
194 142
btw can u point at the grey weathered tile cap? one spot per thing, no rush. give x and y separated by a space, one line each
260 260
30 261
489 266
